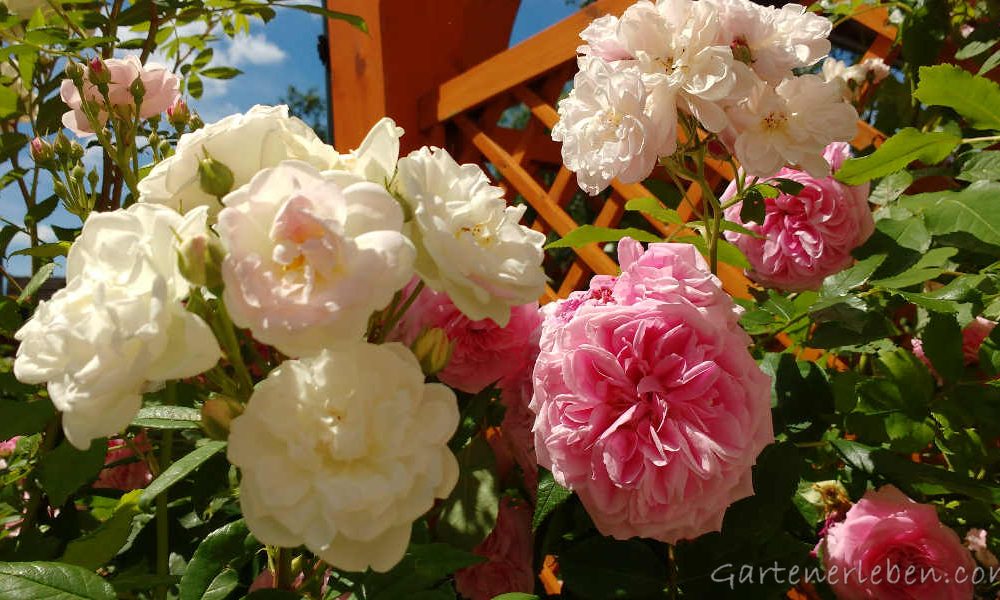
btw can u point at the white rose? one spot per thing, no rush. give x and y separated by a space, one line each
605 129
245 143
791 124
118 328
343 451
773 41
469 243
308 260
375 159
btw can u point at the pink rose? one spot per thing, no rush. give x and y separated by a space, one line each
976 542
508 549
131 475
654 411
161 90
806 237
7 448
483 351
885 536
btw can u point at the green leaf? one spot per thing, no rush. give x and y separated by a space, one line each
975 98
10 315
516 596
787 186
470 513
423 567
51 581
915 383
600 568
990 63
41 210
931 264
896 153
905 473
221 550
168 417
753 206
66 469
890 187
39 278
99 546
550 496
942 344
655 209
223 583
980 166
45 250
728 253
909 232
836 286
589 234
179 470
194 86
973 211
220 72
24 418
354 20
11 142
8 102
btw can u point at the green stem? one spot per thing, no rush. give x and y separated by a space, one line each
162 511
231 345
988 138
397 315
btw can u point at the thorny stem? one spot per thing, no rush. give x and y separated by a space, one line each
283 568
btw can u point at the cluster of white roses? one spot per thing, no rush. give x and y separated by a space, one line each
343 445
729 64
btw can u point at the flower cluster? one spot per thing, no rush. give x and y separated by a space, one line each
301 257
806 236
729 65
648 402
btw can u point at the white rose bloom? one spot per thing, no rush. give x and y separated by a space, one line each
245 143
791 124
772 41
605 130
309 260
850 78
342 451
469 243
375 159
675 44
118 328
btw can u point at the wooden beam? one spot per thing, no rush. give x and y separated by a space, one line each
533 57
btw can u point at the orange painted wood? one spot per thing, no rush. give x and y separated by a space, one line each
529 59
410 50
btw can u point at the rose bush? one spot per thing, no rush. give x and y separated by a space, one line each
276 370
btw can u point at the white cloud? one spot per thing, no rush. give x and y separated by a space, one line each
253 49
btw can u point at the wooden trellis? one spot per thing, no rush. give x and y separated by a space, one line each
461 105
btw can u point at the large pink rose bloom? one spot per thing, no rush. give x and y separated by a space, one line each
806 237
652 411
483 351
161 90
508 549
887 535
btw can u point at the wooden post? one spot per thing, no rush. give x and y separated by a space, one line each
412 47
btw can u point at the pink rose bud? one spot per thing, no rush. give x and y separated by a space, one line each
887 535
178 113
41 151
97 71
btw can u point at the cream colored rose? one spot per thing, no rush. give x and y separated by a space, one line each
342 451
309 261
245 143
118 328
469 243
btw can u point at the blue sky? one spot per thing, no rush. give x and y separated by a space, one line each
274 56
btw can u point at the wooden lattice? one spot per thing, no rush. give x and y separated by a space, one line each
535 73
